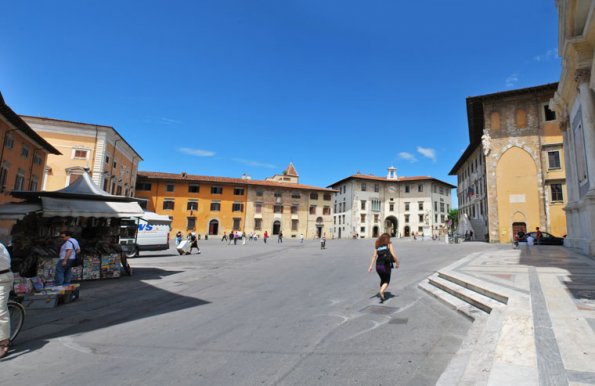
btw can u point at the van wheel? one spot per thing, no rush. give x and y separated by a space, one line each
132 253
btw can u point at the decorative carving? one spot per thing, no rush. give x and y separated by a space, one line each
486 142
582 75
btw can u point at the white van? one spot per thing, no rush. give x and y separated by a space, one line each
152 234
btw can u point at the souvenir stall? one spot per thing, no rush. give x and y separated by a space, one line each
95 218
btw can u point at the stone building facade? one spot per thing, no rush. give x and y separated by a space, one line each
575 105
112 162
366 206
522 163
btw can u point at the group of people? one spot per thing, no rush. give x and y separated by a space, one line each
191 238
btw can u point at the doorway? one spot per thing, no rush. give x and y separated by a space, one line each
276 227
407 231
375 232
518 227
391 225
213 227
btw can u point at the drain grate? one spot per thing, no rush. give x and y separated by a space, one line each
380 310
398 321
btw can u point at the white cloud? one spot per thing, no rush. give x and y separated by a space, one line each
427 152
511 80
197 152
169 121
254 163
549 54
407 156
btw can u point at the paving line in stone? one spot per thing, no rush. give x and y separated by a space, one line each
549 360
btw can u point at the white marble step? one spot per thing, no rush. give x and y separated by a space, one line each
474 285
476 299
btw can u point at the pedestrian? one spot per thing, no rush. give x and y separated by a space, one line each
538 236
530 240
301 238
63 273
323 241
236 236
466 235
178 238
6 280
470 235
266 236
280 237
383 257
243 239
224 238
193 244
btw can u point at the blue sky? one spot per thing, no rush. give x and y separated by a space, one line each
226 87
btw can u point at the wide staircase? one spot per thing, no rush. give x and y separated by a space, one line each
479 228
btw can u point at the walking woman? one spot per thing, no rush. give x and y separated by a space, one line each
384 256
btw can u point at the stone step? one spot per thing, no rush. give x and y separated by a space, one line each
451 301
476 299
473 285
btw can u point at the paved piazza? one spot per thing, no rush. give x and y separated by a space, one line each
254 314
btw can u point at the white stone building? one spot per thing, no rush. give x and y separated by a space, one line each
366 206
575 105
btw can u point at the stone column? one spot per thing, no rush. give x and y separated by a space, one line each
588 108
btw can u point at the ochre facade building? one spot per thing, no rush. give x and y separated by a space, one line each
211 205
511 177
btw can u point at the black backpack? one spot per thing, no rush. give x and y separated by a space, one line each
384 255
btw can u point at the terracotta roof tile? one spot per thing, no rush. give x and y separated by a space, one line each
226 180
384 179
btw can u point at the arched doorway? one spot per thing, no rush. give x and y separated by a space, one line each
319 226
407 231
276 227
375 232
391 226
213 227
518 227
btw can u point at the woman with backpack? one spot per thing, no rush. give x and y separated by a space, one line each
384 258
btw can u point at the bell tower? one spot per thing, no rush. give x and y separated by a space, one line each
392 173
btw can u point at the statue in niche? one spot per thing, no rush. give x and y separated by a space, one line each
486 141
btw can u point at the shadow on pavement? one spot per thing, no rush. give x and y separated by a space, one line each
102 304
580 281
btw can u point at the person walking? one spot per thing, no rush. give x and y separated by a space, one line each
323 241
193 244
383 257
6 281
280 237
538 236
67 255
224 238
301 238
266 236
179 238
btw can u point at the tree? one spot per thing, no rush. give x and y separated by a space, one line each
453 217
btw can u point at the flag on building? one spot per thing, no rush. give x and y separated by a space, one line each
470 192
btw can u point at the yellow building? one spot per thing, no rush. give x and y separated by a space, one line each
111 161
511 176
206 205
575 105
214 205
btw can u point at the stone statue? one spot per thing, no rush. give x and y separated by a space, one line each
486 141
